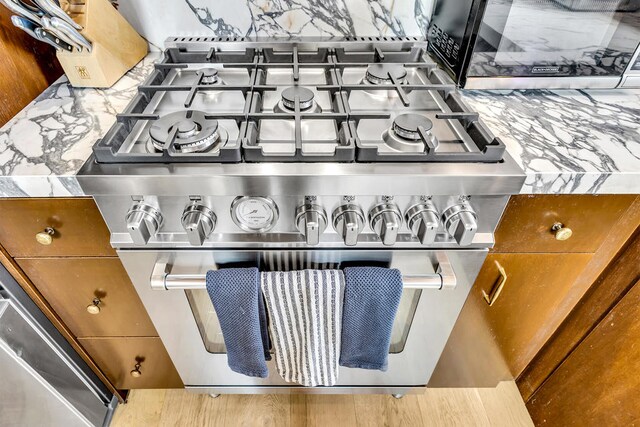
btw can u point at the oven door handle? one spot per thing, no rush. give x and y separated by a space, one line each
444 278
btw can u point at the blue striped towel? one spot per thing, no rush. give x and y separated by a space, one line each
235 294
305 308
371 299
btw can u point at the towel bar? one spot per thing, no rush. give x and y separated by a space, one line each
443 278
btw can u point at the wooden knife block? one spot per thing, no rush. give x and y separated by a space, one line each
117 47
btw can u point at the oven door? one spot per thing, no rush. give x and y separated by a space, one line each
188 326
585 39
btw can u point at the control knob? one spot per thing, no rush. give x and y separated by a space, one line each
461 222
348 221
143 222
199 222
311 221
385 219
423 220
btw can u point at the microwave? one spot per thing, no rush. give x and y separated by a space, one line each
530 44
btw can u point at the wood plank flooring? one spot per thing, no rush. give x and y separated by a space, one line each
501 406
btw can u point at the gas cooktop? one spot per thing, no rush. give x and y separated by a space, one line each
338 142
363 100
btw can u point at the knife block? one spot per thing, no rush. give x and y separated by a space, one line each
116 46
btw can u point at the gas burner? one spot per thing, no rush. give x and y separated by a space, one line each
406 126
288 102
281 101
378 74
193 133
404 136
209 76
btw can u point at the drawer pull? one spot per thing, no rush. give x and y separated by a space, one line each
136 372
495 292
46 237
94 307
562 233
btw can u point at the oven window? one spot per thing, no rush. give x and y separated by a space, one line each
404 319
207 320
546 38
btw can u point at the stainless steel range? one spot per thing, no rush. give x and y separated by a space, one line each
288 155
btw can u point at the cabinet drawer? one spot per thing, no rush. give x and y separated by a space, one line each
76 225
117 357
71 285
527 222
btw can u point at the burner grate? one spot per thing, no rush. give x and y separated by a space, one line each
330 59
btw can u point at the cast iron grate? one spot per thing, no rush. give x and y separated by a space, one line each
480 145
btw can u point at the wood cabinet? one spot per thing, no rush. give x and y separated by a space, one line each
27 67
93 296
599 383
496 338
527 224
535 286
118 358
75 226
77 273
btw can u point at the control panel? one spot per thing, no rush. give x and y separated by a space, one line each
310 221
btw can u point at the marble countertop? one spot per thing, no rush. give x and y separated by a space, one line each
566 141
44 145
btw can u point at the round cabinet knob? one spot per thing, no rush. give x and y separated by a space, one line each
348 221
199 222
561 232
385 219
143 222
46 237
424 220
136 372
94 307
461 222
311 221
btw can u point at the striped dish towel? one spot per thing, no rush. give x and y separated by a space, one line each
305 309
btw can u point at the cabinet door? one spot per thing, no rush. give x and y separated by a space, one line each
494 343
118 357
75 225
535 287
527 223
73 285
599 382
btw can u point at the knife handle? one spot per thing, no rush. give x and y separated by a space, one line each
53 40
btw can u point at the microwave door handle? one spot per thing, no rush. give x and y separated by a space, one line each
443 278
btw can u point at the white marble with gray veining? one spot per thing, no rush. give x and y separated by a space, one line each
568 141
565 141
156 20
44 146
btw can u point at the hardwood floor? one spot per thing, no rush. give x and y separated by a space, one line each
501 406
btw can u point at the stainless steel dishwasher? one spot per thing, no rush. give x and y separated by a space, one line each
43 382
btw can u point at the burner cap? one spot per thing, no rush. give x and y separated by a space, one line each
209 76
305 95
378 74
194 133
186 128
406 125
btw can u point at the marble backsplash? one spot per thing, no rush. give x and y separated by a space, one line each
156 20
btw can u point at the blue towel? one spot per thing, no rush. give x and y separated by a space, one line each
236 297
371 299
